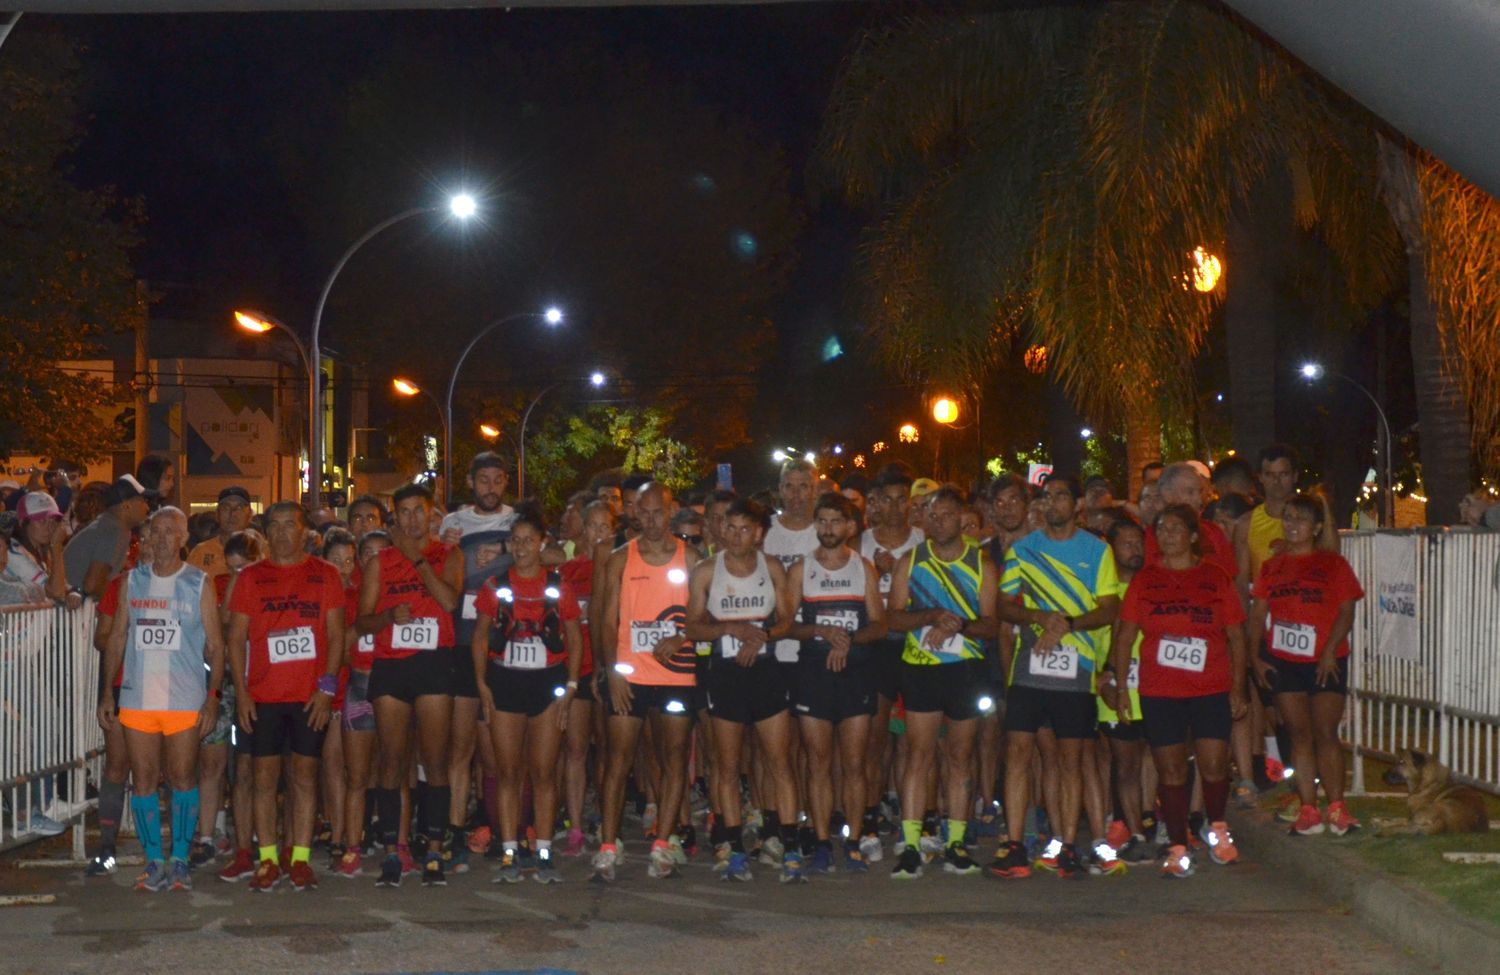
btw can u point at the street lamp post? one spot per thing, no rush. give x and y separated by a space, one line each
1312 372
462 206
596 379
261 323
405 387
552 316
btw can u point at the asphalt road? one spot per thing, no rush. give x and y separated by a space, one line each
1246 918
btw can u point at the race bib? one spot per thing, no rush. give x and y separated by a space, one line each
1297 639
1133 676
646 634
844 619
953 646
469 612
288 646
367 643
418 633
525 653
583 610
1188 653
885 584
1059 663
164 635
730 646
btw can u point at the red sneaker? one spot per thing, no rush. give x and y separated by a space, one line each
1309 821
240 868
303 877
1118 834
1339 819
349 864
408 865
267 876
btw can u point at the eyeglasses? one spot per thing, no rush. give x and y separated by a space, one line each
690 539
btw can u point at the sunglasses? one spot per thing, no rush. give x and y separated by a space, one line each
690 539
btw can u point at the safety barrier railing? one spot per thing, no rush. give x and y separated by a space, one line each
1425 667
49 676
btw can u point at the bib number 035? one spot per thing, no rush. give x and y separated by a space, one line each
646 634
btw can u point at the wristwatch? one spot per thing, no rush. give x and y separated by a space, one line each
571 685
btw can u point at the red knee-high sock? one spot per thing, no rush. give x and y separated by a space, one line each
1215 798
1174 811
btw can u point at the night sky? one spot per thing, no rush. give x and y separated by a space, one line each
186 110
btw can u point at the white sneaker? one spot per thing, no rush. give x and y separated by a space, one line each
604 866
662 866
42 825
771 851
871 849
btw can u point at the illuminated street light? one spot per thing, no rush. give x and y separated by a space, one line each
596 379
553 315
778 455
1085 433
877 446
810 457
1312 371
407 388
488 431
908 433
463 206
944 410
1207 269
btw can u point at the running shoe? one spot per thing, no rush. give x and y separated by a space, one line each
1289 808
604 866
509 871
432 871
988 823
241 867
222 846
678 850
573 846
1050 853
390 871
1067 863
182 875
1011 862
663 866
821 861
738 868
200 853
870 846
42 825
930 845
154 878
302 876
1118 834
1340 820
1276 771
1104 861
687 841
456 860
525 855
546 873
478 840
408 865
1246 795
1309 821
1178 863
349 864
102 865
792 871
1138 849
267 876
956 859
908 866
1221 848
855 860
772 851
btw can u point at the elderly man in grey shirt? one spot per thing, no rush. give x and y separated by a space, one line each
97 553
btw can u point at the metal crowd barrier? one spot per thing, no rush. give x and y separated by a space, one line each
49 738
1441 693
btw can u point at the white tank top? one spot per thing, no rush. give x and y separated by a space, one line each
868 547
735 598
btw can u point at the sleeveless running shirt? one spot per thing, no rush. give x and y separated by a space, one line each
163 668
732 598
430 626
935 584
833 597
653 605
787 546
1262 539
868 546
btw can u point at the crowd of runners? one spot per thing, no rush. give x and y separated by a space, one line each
1018 678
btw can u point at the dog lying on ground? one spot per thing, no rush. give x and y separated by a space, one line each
1438 804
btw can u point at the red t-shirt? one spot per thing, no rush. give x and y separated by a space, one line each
288 607
578 574
1217 548
1304 594
430 626
109 604
527 611
1183 615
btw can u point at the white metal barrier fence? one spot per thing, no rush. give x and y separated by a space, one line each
1441 696
49 678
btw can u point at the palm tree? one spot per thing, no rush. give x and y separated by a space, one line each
1052 171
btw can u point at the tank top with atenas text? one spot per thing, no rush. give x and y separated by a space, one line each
833 597
733 598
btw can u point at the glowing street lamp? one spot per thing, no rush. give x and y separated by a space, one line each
908 433
260 323
944 410
407 388
1206 271
489 431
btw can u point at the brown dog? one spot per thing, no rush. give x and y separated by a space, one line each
1439 805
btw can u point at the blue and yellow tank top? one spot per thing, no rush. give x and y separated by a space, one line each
935 584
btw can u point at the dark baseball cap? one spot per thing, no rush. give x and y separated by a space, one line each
122 489
235 491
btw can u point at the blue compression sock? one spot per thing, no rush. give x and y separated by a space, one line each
147 812
184 821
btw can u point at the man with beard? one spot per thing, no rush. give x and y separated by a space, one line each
839 614
480 536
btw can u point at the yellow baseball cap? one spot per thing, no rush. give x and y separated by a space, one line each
923 486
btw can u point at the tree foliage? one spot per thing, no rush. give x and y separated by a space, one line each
65 272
